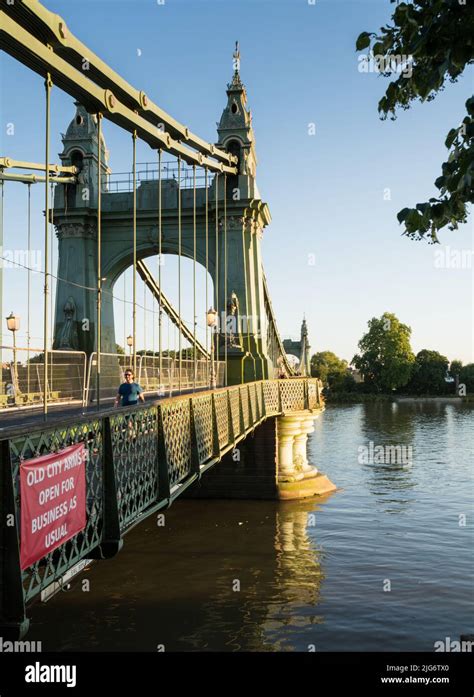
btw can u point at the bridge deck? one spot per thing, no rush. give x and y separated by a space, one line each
14 418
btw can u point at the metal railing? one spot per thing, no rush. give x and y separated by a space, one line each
194 375
21 379
139 460
72 376
117 182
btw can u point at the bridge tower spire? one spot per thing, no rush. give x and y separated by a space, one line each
236 134
247 216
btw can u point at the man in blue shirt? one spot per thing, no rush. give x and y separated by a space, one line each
129 392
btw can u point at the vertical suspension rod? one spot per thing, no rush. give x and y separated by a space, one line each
134 292
194 279
218 328
48 84
160 261
99 257
179 271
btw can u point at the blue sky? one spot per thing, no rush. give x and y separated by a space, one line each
327 193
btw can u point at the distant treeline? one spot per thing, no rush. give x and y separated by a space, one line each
386 365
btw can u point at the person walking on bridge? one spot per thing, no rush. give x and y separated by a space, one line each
129 391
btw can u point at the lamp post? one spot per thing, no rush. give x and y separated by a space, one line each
212 323
130 344
13 325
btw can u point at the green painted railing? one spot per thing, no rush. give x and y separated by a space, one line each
139 461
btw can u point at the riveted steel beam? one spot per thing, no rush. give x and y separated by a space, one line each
10 163
51 30
23 46
152 285
271 317
35 179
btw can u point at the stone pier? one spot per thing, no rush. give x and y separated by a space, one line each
270 463
296 478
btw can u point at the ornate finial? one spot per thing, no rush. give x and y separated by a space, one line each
236 58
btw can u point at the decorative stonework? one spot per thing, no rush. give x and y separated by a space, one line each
65 230
234 222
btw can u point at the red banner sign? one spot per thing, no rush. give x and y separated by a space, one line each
53 501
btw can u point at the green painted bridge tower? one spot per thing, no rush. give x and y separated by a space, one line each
234 240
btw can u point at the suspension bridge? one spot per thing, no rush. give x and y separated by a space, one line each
227 411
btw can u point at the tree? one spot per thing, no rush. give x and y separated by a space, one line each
331 370
119 350
431 43
37 358
429 373
466 377
385 358
325 363
455 371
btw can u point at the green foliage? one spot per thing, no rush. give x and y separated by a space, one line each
37 358
119 349
385 359
429 373
330 369
455 369
438 37
466 377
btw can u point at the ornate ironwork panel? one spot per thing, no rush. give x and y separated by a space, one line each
202 410
135 453
43 572
253 403
221 402
271 397
312 394
177 436
244 398
292 394
235 410
259 399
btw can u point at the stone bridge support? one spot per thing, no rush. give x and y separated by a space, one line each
296 478
271 463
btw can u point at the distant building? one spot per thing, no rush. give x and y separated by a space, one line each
300 349
356 374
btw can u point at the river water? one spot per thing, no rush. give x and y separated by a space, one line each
386 563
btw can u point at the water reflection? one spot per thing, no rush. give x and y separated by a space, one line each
275 588
233 585
390 431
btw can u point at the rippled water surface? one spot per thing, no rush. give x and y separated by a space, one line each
384 563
